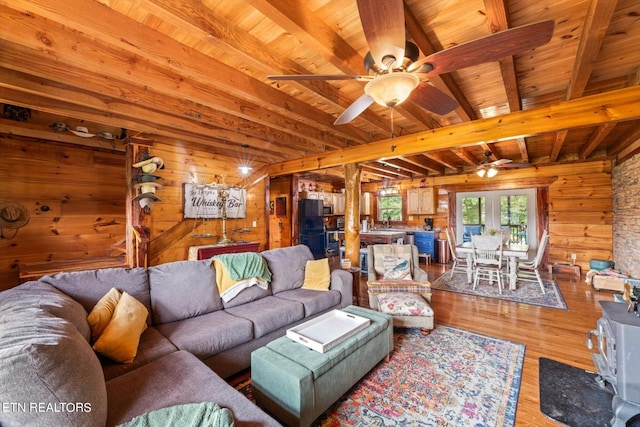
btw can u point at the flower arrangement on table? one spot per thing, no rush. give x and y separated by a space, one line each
492 231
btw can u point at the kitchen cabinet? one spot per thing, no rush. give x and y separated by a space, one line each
426 241
338 204
421 201
365 204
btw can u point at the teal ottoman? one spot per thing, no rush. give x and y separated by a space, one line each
297 384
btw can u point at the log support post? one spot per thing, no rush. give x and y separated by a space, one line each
352 213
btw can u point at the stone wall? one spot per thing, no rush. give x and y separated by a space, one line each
626 216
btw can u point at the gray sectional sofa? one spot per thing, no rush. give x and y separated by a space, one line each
50 375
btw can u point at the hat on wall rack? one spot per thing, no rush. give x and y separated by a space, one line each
82 131
12 216
150 165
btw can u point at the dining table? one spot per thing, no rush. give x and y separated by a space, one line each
513 251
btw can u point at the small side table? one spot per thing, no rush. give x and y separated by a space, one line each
559 268
355 272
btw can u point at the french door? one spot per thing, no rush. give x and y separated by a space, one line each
512 211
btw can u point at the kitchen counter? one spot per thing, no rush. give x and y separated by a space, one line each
378 236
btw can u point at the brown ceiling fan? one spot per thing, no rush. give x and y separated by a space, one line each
395 68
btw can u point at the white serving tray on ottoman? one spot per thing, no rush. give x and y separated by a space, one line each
327 331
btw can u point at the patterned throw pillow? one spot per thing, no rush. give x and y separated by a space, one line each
397 268
404 304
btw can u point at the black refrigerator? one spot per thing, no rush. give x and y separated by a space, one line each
311 223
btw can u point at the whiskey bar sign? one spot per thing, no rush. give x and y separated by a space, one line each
205 201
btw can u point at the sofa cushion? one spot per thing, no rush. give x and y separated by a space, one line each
209 333
252 293
183 289
88 286
175 379
287 266
153 345
48 368
49 299
314 302
119 340
269 314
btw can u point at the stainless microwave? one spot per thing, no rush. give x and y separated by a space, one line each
327 210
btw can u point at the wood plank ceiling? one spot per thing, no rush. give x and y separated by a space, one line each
195 72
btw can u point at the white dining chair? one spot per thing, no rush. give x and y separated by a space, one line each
487 259
529 271
459 262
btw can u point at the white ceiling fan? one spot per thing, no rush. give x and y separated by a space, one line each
490 169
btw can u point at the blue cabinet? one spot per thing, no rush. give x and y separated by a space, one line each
426 241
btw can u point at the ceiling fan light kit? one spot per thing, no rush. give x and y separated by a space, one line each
391 89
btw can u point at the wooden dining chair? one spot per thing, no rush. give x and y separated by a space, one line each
529 271
459 262
487 259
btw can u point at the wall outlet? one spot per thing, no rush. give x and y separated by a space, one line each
573 258
255 224
410 217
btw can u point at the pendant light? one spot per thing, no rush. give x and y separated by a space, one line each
244 167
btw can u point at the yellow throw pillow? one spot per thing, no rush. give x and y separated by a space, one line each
317 275
119 340
102 313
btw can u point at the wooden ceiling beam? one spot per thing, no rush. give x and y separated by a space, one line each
628 138
595 139
522 147
591 110
498 20
187 73
595 27
314 33
378 173
443 82
438 157
202 22
388 167
412 168
466 156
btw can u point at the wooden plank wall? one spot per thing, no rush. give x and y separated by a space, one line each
182 166
84 190
280 227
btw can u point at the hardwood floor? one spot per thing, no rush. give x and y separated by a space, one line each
556 334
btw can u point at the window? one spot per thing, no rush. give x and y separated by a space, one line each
390 208
512 211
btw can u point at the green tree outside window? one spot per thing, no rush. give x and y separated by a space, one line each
390 208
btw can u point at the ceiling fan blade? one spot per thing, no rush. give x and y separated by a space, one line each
355 109
516 165
318 77
383 26
501 162
433 99
489 48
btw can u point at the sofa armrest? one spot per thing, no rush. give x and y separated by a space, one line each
342 280
419 275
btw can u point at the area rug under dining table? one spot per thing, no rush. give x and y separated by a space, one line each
526 292
449 377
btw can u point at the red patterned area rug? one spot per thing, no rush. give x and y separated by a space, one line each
451 377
